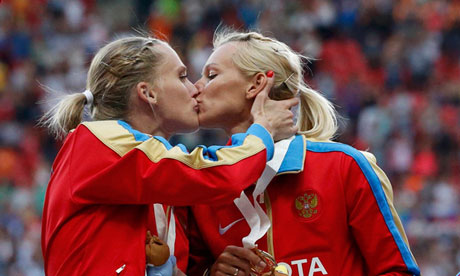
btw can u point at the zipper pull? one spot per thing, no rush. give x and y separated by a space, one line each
119 270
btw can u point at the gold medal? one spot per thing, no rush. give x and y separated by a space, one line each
280 270
157 251
268 259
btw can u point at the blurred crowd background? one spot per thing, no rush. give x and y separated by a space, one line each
391 67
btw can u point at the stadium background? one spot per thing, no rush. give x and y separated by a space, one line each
391 67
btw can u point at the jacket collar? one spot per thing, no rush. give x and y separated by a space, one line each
293 161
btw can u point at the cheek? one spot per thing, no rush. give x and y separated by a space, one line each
223 93
216 101
174 98
211 92
223 105
179 94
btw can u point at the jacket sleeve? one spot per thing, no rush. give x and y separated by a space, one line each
155 172
374 222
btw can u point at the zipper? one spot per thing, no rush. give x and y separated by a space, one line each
120 269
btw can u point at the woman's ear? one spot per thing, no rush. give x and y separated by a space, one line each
146 93
257 84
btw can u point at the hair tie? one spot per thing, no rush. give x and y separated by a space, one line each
89 96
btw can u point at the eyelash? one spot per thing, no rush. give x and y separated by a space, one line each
183 77
211 76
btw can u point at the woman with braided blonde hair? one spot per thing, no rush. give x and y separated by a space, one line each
320 207
109 171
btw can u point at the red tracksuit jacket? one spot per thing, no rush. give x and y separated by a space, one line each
98 204
331 211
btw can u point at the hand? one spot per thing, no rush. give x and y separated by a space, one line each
275 116
156 250
236 261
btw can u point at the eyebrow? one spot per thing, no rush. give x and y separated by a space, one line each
181 68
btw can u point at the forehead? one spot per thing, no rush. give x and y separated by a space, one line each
171 58
223 54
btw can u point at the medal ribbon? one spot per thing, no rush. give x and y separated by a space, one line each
167 234
255 216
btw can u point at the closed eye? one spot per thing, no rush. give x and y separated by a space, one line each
212 76
182 72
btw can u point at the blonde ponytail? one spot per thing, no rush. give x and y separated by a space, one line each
258 53
65 115
317 118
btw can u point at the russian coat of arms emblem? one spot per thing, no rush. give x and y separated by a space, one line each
306 205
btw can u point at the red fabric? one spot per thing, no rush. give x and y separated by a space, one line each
347 235
98 205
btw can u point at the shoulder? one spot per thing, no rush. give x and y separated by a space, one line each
105 127
114 134
352 162
339 149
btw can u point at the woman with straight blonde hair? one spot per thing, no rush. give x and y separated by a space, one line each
320 207
109 171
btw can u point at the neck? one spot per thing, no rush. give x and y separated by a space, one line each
238 128
147 124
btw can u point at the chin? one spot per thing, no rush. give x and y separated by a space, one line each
205 121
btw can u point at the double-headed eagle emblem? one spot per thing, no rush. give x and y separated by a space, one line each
306 205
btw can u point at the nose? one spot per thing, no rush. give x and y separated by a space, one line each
194 91
199 84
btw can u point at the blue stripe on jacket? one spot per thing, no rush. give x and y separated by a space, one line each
377 189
